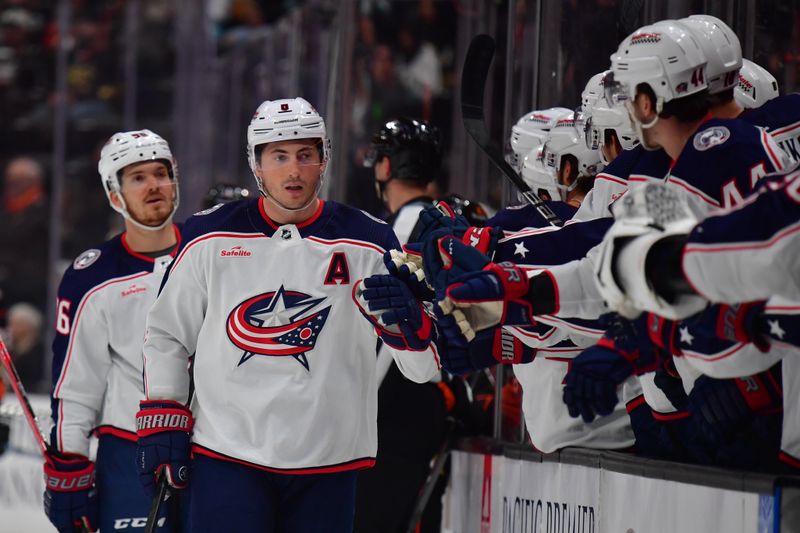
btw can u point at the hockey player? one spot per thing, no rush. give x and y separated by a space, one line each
405 155
565 167
102 303
267 293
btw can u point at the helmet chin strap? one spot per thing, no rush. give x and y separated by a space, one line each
639 126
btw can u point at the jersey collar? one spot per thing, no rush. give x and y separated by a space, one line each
149 259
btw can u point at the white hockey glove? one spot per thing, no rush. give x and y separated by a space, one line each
645 216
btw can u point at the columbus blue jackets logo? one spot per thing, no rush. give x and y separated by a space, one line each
710 138
277 324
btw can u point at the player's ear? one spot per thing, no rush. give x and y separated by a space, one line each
566 172
115 199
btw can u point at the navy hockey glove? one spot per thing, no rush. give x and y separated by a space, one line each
440 217
407 266
488 348
590 387
498 291
725 406
164 429
389 304
70 497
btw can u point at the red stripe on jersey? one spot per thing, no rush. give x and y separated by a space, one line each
705 357
705 248
149 259
355 464
677 415
609 177
785 129
790 460
636 402
275 225
534 335
116 432
363 244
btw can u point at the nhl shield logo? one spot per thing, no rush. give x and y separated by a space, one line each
277 324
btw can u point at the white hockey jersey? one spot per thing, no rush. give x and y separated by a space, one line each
102 304
284 365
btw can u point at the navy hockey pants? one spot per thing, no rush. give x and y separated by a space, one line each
225 496
123 503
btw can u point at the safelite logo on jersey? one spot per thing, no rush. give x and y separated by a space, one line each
236 251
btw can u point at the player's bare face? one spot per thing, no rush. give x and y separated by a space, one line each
290 171
149 192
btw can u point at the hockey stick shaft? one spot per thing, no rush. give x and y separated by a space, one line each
19 390
162 494
473 84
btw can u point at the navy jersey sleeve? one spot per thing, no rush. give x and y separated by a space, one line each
521 216
749 253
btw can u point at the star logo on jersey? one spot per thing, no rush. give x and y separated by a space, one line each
277 324
519 249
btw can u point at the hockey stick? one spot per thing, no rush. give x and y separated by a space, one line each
162 494
19 390
473 83
27 410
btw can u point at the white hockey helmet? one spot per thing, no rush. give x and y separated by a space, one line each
562 140
721 48
593 92
284 120
597 117
540 179
129 147
755 86
664 55
667 57
529 133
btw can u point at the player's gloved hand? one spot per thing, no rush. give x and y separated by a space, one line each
407 266
487 348
440 217
760 323
725 406
590 387
70 497
164 429
496 293
390 305
593 377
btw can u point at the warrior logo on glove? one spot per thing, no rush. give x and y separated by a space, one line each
277 324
